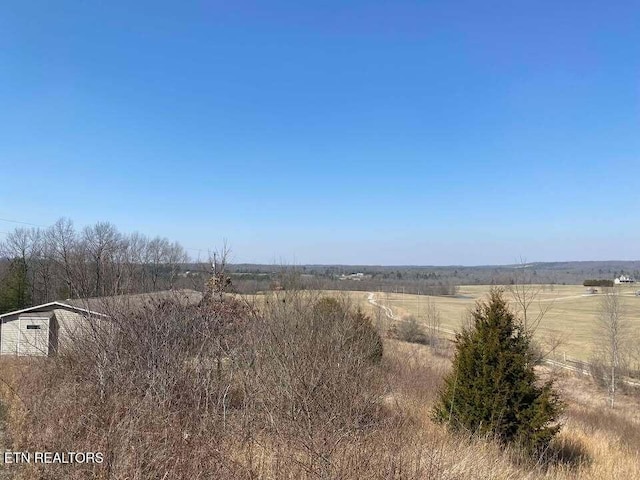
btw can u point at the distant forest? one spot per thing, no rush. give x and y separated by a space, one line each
431 280
39 265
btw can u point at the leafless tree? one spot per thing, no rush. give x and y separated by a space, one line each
123 272
61 238
612 340
176 255
138 245
219 282
155 258
101 241
23 244
525 294
433 323
634 354
61 262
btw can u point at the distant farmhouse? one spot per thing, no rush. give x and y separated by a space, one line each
354 276
624 279
42 329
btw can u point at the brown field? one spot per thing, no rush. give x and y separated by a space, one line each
572 314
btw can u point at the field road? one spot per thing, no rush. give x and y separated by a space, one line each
387 310
583 295
584 368
390 315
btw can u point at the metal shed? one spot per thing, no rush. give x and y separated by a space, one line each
43 329
40 330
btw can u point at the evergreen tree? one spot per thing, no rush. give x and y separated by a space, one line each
14 289
492 389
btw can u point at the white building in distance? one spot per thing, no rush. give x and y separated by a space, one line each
624 279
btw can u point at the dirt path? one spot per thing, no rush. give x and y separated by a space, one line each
387 310
391 316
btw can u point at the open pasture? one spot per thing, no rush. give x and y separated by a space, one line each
571 313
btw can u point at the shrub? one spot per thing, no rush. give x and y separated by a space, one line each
411 331
364 330
360 334
316 385
492 388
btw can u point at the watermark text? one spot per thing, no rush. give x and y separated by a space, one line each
67 458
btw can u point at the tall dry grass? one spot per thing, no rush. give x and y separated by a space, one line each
222 390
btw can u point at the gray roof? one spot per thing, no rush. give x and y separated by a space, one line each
102 305
46 307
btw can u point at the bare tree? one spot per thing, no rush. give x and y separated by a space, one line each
41 267
612 340
59 262
634 355
22 245
138 245
176 255
155 258
525 294
219 283
101 241
62 241
433 322
123 279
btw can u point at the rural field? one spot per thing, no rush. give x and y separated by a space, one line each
368 400
571 315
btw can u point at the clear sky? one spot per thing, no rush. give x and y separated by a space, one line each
360 132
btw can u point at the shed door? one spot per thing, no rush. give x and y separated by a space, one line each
34 336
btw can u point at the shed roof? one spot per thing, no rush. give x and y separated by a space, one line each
47 314
51 306
102 305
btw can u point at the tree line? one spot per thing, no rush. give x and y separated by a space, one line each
595 282
39 265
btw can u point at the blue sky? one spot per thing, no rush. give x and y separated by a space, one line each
329 132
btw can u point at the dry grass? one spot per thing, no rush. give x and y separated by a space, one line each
595 442
289 402
571 317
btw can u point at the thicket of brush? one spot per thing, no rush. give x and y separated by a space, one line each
175 391
299 388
